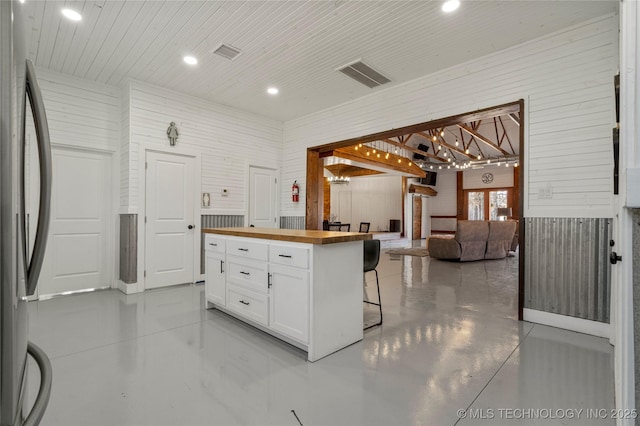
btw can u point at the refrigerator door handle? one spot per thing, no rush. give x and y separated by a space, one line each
42 400
44 153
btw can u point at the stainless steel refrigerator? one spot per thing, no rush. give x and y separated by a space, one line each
19 264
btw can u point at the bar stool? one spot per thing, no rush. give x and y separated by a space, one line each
371 259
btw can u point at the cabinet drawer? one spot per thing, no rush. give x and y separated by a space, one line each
214 244
248 249
288 255
248 304
248 273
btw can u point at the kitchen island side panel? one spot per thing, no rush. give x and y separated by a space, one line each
336 298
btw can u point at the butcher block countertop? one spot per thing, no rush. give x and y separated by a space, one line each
291 235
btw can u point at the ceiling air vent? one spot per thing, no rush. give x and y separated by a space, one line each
227 51
364 74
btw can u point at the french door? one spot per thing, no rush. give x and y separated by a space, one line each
483 204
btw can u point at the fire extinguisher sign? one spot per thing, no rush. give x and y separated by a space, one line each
295 192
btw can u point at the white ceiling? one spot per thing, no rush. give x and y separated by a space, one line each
294 45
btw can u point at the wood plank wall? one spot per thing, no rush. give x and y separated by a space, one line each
565 79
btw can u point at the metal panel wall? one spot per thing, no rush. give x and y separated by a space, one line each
567 269
128 248
217 221
292 222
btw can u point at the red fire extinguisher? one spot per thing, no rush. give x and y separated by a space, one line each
295 192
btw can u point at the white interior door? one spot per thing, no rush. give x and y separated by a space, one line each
170 228
262 197
78 254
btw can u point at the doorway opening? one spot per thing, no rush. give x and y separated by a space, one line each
471 150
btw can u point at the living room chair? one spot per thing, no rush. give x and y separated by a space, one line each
364 227
345 227
371 259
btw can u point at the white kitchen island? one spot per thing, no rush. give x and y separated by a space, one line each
303 287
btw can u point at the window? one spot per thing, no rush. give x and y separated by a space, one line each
483 204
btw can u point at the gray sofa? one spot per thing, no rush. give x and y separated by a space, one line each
474 240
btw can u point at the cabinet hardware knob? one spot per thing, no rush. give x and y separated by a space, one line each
243 249
190 227
213 244
285 255
245 273
244 303
269 276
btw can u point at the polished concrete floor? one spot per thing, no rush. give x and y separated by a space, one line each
450 342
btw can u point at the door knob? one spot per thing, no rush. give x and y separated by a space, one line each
614 258
190 226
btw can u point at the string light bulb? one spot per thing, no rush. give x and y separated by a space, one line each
466 151
442 133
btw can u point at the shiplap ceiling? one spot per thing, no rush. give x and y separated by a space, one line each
293 45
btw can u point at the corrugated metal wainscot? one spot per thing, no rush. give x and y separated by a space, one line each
217 221
292 222
567 269
128 248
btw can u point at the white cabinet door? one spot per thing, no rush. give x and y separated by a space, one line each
215 284
290 302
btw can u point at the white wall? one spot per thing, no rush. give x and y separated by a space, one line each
80 112
502 177
228 141
374 199
444 204
566 81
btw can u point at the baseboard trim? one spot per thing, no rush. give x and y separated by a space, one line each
579 325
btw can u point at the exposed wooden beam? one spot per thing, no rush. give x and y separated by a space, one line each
483 139
444 143
504 130
422 190
386 160
414 150
348 170
514 118
314 193
421 127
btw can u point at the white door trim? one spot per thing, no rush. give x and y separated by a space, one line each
141 203
622 318
247 183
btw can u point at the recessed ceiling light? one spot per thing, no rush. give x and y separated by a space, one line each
451 5
72 14
190 60
272 91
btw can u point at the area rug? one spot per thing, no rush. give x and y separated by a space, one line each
413 251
